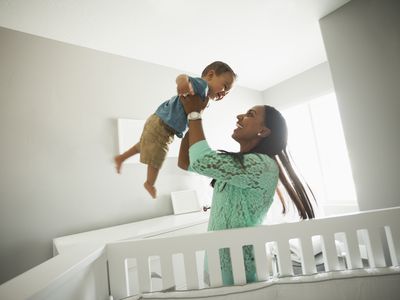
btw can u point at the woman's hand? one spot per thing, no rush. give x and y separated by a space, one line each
193 103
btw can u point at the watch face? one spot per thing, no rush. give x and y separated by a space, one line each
194 115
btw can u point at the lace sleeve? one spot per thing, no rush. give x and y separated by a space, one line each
224 167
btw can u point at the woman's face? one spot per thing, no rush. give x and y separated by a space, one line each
250 126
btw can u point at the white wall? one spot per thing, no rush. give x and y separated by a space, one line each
59 106
313 83
363 48
362 40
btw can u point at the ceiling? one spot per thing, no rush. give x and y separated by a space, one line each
264 41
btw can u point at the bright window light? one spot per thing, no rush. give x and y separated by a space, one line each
318 147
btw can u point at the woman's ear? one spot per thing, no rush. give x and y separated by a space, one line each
264 132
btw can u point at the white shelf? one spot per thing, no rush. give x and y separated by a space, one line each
135 230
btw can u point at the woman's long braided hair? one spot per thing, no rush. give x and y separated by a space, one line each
274 145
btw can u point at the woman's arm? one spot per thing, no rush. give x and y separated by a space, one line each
190 104
183 158
196 132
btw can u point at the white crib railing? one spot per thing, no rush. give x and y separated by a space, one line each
79 270
380 229
55 278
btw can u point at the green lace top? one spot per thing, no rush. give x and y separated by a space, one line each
241 198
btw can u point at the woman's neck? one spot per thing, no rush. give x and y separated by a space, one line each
246 146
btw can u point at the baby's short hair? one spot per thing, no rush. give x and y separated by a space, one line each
219 67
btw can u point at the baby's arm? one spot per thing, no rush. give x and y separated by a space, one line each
183 85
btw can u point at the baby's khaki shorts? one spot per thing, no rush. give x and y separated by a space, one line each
154 142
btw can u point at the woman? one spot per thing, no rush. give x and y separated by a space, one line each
244 182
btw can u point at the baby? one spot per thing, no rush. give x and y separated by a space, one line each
170 119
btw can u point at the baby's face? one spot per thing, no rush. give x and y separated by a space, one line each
219 85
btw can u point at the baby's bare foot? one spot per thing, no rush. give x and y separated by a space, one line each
151 189
118 160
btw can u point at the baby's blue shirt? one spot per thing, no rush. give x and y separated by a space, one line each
172 112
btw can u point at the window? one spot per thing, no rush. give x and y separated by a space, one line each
318 147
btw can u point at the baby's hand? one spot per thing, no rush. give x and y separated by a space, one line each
183 86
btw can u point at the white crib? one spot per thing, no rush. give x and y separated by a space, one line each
378 231
134 266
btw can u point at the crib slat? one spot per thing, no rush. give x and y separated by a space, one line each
143 270
284 261
167 271
192 280
271 265
214 267
261 261
118 280
376 257
307 256
329 252
239 273
393 238
353 258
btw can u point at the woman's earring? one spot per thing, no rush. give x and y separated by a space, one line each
259 134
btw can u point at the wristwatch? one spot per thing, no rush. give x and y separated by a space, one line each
194 115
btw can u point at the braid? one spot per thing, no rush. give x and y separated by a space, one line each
294 186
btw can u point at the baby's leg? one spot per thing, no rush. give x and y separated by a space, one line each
152 174
119 159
